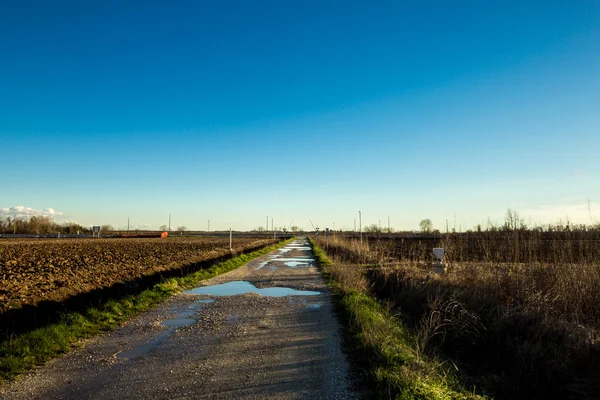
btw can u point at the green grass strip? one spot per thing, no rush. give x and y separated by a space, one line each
394 367
29 349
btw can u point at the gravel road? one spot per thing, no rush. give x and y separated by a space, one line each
274 336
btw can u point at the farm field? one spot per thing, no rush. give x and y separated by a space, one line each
32 271
516 313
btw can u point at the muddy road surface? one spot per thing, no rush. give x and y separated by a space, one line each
263 331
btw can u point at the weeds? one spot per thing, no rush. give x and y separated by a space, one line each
397 370
515 329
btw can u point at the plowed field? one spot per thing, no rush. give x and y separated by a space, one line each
35 270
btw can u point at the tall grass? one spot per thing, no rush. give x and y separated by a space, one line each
389 351
519 312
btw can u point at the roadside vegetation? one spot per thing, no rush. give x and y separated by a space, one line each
517 314
21 352
396 366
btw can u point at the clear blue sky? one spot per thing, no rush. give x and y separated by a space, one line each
300 110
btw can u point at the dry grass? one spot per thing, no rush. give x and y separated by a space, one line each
516 329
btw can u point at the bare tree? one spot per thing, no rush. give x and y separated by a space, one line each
513 221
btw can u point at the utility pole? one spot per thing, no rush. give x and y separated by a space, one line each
169 223
360 226
127 224
272 228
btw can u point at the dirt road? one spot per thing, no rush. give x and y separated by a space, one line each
263 331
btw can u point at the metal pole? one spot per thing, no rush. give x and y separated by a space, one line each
360 226
169 223
127 224
272 228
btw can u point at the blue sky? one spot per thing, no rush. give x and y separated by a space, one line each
301 110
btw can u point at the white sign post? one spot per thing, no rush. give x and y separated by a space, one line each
438 265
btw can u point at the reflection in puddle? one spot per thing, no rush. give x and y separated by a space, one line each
294 264
147 347
243 287
197 304
178 322
301 261
181 320
306 304
185 314
262 264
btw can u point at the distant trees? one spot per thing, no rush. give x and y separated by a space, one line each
182 228
38 225
106 228
373 228
426 225
162 227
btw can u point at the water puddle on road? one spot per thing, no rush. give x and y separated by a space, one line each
178 322
292 262
146 348
243 287
183 319
306 304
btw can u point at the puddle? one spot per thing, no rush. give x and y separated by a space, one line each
181 320
178 322
261 265
196 304
294 264
307 305
185 314
147 347
243 287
